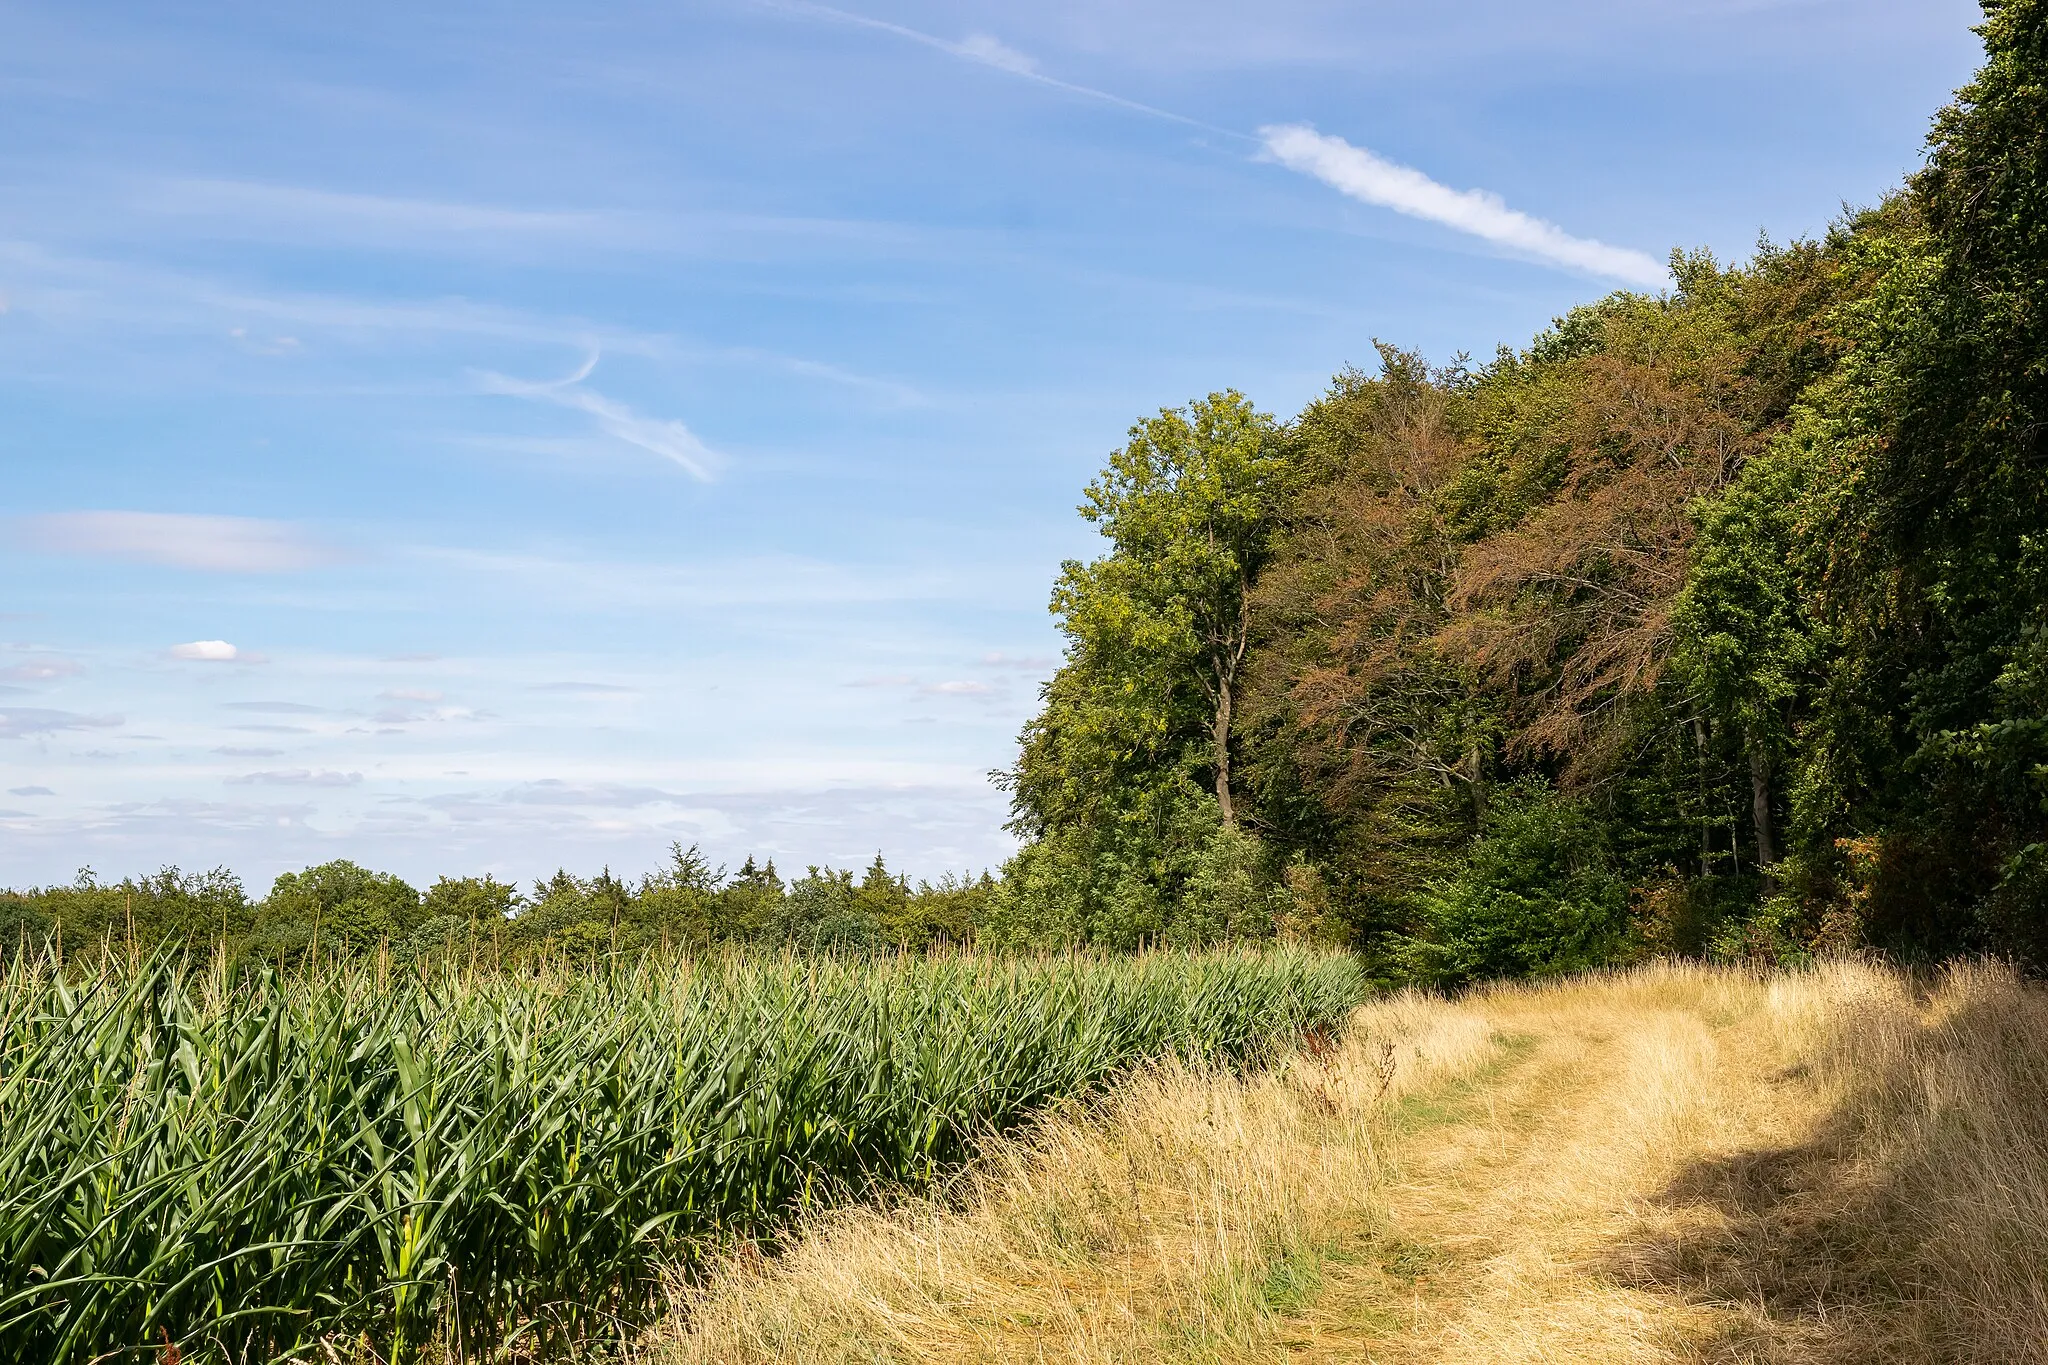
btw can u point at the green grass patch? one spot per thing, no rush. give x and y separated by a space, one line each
1454 1100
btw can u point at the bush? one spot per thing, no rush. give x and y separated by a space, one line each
1537 894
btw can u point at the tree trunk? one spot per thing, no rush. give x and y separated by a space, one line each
1760 809
1223 754
1475 779
1699 739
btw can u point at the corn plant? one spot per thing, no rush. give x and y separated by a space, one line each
245 1168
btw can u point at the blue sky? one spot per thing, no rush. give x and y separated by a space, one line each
491 437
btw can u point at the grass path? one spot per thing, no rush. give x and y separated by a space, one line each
1518 1212
1670 1165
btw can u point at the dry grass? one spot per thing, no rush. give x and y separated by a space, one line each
1671 1164
1904 1216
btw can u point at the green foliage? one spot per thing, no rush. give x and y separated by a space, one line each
1136 733
266 1166
1232 894
1200 883
1932 737
342 910
1747 647
128 918
1538 893
339 906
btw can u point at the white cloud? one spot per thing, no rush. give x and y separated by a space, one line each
957 688
277 345
1372 179
206 651
30 791
397 715
550 791
665 437
296 777
216 544
410 694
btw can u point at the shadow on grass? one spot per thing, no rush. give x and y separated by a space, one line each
1897 1232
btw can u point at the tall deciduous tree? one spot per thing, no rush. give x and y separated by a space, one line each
1159 628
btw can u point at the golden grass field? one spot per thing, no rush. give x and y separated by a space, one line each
1675 1163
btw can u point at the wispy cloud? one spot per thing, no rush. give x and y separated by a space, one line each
583 689
987 51
42 670
952 688
296 777
214 544
398 715
1354 171
754 580
549 791
1372 179
992 51
665 437
260 207
21 721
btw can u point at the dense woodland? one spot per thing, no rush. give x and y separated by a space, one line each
1710 621
1714 621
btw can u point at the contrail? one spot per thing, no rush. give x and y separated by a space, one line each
984 50
1354 171
1372 179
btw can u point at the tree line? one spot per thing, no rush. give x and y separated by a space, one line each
340 909
1711 621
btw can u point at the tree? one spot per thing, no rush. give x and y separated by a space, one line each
337 907
1125 775
1188 505
1537 895
1746 647
1595 445
1371 749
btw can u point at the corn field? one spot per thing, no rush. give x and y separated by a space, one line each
255 1166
